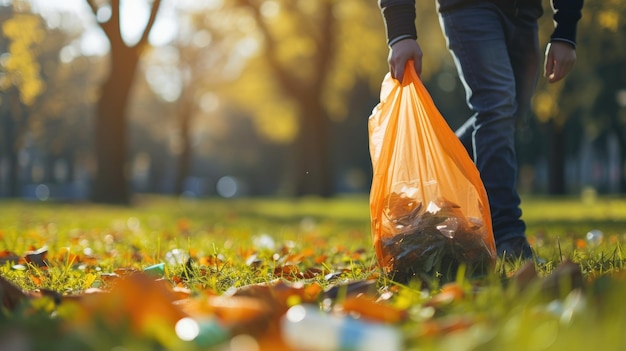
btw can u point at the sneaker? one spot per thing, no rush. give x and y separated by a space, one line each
515 249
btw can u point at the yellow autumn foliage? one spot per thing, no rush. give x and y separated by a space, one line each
25 32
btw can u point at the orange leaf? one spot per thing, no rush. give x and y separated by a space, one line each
283 291
183 225
125 271
272 340
368 308
312 292
287 271
320 259
135 297
308 252
444 326
246 252
312 272
210 261
237 309
65 255
37 280
181 293
295 258
8 256
449 293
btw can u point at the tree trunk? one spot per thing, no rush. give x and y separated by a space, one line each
313 164
11 132
184 159
111 145
12 185
313 161
621 139
111 183
556 160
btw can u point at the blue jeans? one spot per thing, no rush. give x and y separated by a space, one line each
497 58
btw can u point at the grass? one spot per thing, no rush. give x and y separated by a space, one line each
314 242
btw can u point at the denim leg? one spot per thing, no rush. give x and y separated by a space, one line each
490 57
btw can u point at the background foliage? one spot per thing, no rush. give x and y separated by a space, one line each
270 97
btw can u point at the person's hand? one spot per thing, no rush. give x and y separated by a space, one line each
401 52
560 59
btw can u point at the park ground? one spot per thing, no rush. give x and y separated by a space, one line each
157 274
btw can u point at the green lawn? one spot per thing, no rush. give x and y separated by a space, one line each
305 244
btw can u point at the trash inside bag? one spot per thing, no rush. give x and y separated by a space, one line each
428 206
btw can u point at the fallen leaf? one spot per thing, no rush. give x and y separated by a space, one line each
37 257
351 288
288 271
136 298
8 256
10 294
566 277
438 327
238 314
449 293
525 276
368 308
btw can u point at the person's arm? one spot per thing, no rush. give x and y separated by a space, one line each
399 18
561 51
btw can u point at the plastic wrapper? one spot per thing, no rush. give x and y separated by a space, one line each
428 206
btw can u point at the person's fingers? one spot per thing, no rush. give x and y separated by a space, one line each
418 67
549 63
562 69
396 66
401 52
557 73
399 73
560 60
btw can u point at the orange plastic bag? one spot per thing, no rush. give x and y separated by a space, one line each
428 206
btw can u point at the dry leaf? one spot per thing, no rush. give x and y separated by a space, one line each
37 257
367 307
10 294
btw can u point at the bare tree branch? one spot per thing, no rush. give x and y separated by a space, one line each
153 13
111 27
286 79
93 6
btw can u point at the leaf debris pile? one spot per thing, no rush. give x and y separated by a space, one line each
430 241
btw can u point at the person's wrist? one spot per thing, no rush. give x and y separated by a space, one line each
564 41
401 38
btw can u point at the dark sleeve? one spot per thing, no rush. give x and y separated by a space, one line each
399 17
566 16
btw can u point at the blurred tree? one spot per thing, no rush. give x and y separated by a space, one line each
151 129
20 82
590 93
304 58
22 71
64 111
608 47
111 145
203 51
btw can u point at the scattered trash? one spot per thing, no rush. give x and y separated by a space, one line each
264 242
305 327
176 257
157 270
595 237
204 333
